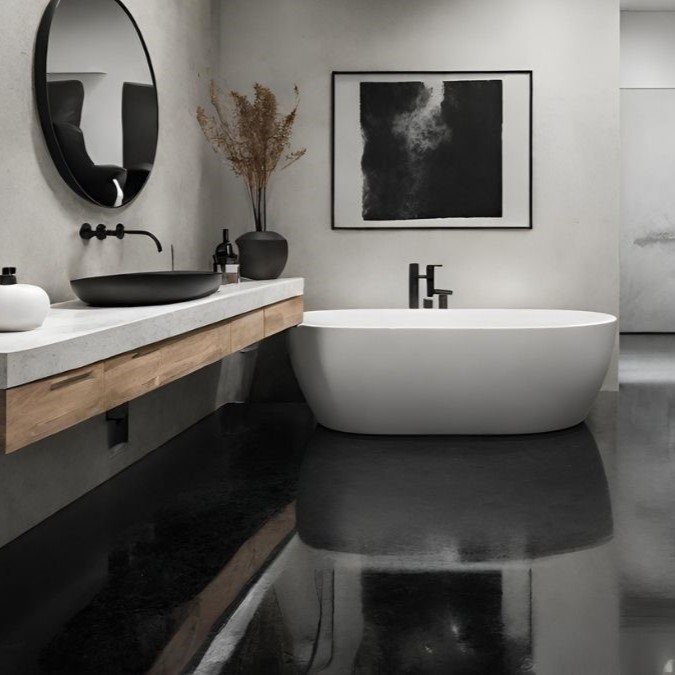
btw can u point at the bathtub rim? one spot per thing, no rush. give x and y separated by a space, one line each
594 319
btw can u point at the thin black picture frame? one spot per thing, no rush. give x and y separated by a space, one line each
530 75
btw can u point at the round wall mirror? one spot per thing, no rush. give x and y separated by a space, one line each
97 98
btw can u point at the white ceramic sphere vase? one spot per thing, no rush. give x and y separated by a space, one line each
22 307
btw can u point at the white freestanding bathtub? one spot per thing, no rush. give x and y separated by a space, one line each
456 371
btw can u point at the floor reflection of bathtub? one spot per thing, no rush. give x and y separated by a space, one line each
442 500
433 555
496 371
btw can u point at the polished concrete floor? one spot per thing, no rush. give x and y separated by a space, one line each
549 554
113 583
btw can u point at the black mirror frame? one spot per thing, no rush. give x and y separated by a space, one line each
42 99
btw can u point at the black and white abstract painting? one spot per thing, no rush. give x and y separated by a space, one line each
432 150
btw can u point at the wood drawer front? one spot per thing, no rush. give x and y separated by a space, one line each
130 375
247 329
187 353
40 409
283 315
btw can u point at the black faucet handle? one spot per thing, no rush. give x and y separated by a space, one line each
431 279
87 231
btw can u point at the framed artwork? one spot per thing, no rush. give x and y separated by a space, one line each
432 150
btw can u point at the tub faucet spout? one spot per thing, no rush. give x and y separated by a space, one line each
431 283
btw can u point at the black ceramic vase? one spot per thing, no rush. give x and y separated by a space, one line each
262 255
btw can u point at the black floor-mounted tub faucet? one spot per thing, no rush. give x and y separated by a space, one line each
414 277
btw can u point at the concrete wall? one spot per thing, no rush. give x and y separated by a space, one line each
648 165
569 259
39 222
647 50
181 203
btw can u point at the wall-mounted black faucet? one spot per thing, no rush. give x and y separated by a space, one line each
102 232
414 277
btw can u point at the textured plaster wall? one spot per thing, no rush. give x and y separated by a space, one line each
647 49
648 162
41 216
569 259
39 222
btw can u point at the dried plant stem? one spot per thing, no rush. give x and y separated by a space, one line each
252 136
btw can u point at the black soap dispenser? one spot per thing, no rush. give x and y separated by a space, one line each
8 277
224 250
227 260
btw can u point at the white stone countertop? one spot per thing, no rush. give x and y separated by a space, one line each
75 335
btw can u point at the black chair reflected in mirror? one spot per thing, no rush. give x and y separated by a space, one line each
103 183
139 126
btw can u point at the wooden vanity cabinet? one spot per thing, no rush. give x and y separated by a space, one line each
36 410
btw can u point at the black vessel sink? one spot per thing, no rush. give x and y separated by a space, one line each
145 288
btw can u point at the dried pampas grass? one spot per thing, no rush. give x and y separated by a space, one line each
254 137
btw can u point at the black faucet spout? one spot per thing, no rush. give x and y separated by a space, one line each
143 232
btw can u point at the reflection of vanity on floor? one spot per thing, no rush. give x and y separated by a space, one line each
85 361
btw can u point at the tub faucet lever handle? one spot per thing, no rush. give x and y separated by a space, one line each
431 281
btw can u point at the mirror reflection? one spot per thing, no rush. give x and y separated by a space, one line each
97 98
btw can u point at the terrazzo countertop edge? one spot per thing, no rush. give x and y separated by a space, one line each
75 335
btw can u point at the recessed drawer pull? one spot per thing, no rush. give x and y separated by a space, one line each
73 380
144 352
